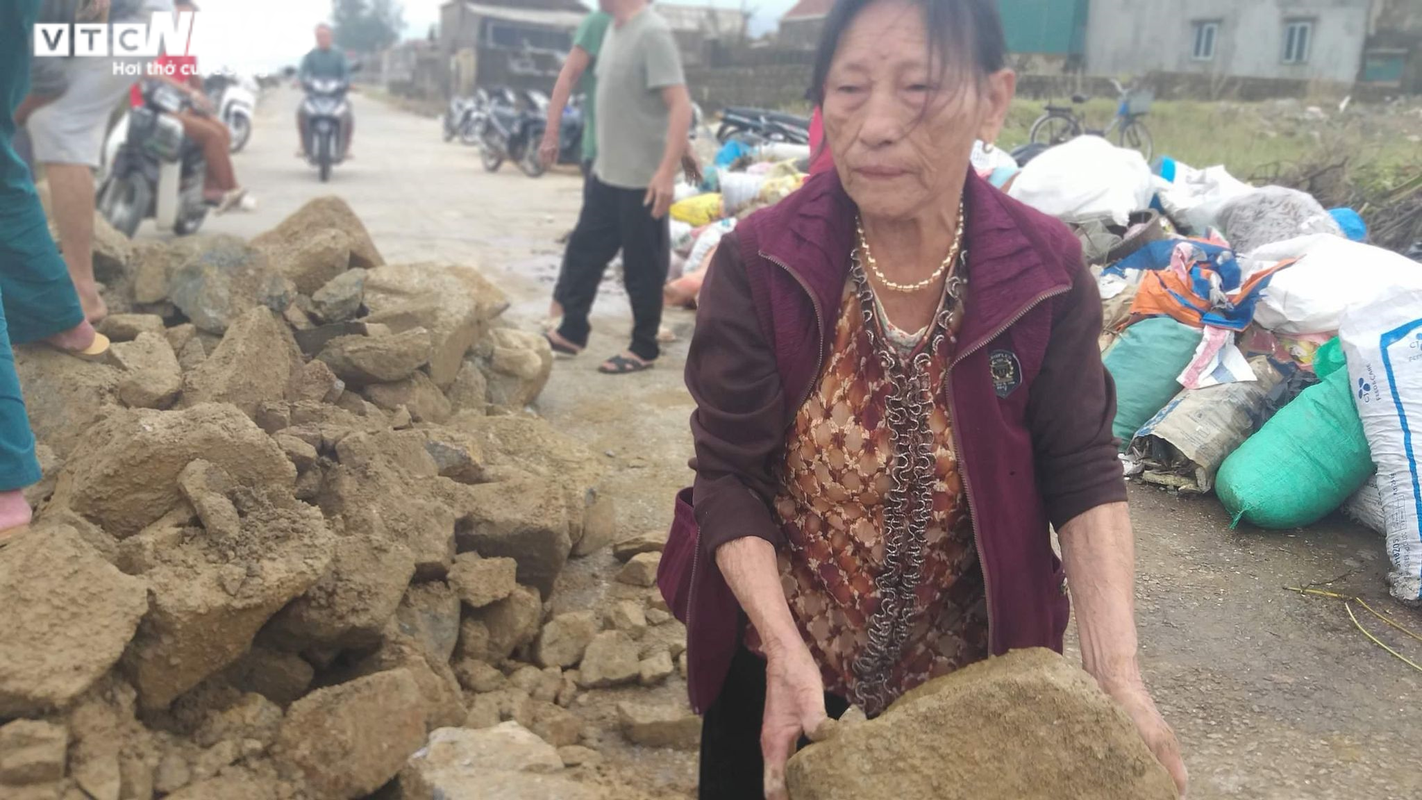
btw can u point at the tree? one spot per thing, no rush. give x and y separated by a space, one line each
367 26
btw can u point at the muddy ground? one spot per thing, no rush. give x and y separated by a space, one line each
1274 695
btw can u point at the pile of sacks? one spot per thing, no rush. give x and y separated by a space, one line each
300 522
1261 347
743 180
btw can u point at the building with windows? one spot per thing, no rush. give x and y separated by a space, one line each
1339 41
518 43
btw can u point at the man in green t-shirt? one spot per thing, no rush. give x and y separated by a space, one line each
324 62
576 72
644 116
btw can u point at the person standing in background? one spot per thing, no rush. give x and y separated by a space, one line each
37 299
587 42
67 112
642 125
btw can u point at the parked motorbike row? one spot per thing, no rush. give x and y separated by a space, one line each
508 126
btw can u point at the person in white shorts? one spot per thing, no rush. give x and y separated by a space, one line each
67 114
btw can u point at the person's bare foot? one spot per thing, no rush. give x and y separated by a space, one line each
15 515
81 340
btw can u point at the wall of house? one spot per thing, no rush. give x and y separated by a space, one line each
1055 27
801 33
1138 36
1396 33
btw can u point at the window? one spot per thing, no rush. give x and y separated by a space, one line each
1384 66
517 37
1298 40
1205 35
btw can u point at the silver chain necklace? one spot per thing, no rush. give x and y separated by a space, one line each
908 505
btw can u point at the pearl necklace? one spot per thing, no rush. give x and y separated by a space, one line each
908 288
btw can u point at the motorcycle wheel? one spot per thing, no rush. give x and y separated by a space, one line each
470 134
324 155
189 224
124 202
529 161
241 128
448 129
492 156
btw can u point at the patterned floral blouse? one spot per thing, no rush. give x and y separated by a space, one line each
835 488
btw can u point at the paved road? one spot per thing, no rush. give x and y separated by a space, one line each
1274 695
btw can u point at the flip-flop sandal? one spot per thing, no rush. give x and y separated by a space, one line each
560 348
230 201
621 365
96 352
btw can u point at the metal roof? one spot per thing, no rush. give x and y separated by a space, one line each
809 9
528 16
703 19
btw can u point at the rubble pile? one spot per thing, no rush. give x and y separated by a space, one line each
296 539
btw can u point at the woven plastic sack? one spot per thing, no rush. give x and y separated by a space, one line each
1383 344
698 211
1302 464
1144 363
1365 507
739 189
1273 214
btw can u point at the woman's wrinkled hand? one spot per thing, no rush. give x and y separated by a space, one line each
1135 698
794 707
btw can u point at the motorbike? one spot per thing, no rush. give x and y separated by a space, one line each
570 136
508 134
151 170
476 116
325 107
768 126
235 102
457 114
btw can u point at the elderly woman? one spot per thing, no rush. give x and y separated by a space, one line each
898 392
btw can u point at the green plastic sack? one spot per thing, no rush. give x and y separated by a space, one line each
1145 361
1302 464
1328 358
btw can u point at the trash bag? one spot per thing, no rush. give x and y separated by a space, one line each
1273 214
698 211
739 189
1302 464
1086 178
1383 345
1330 275
1192 198
1351 223
1184 445
1144 362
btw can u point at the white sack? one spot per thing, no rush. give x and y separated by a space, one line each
1332 274
1196 196
1382 342
1084 179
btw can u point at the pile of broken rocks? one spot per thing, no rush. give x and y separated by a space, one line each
297 540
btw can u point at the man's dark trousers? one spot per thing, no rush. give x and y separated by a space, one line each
613 219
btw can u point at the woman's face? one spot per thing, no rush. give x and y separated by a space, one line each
902 129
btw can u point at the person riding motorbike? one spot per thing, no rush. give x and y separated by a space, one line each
325 62
220 186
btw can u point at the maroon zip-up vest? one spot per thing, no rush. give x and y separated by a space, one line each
797 257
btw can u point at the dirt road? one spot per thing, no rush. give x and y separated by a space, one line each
1274 695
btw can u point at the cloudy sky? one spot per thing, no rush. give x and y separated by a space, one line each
266 34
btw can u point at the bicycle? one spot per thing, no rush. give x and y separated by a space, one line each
1060 124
